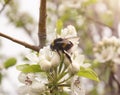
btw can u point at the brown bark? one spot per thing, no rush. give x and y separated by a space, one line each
35 48
42 24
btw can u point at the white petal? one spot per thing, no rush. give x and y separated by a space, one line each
69 31
66 61
23 90
55 61
33 93
45 65
41 77
32 57
86 65
23 77
73 68
37 87
76 88
80 58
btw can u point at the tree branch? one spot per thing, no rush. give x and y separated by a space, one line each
3 7
42 23
33 47
98 22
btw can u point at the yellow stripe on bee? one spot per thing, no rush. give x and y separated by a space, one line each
52 43
64 45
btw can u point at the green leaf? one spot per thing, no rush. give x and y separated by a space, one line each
59 26
88 73
10 62
26 68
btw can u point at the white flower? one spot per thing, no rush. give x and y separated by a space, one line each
32 57
106 54
77 62
55 60
34 84
112 41
23 90
108 50
1 91
45 64
26 78
116 58
48 58
38 87
70 31
76 87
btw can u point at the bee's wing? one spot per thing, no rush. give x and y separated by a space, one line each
72 38
63 41
66 40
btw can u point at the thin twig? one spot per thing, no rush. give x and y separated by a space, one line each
98 22
42 23
3 7
33 47
83 12
116 82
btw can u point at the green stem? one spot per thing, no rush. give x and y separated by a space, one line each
61 76
61 63
65 80
64 85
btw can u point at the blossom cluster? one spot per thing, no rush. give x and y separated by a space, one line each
58 74
108 50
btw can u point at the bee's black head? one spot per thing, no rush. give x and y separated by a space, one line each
55 44
52 46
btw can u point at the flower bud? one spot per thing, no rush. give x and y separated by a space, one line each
73 68
66 61
55 61
45 65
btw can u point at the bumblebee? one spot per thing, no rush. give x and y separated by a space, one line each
62 45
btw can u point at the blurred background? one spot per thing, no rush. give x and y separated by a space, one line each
93 20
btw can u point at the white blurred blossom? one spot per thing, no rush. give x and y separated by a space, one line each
1 91
108 50
106 54
65 4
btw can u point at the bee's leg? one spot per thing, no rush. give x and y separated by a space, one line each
58 53
68 56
